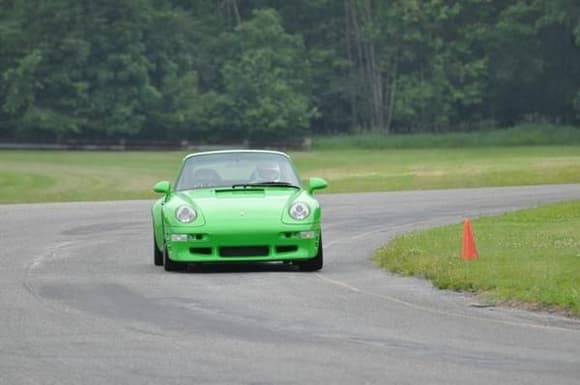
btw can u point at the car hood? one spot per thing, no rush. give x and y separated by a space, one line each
241 205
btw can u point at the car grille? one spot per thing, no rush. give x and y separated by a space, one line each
244 251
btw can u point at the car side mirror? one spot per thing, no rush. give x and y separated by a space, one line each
163 187
316 184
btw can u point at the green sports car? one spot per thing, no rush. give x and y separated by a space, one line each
237 206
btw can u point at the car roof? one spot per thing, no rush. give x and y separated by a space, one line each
235 152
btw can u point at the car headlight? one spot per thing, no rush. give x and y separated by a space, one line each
299 211
185 214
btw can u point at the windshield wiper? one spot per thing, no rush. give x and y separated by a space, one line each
266 184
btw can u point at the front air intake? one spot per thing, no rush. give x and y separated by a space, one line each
200 250
244 251
286 249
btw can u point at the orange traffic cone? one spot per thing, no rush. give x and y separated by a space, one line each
469 251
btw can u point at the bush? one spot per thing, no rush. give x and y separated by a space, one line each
522 135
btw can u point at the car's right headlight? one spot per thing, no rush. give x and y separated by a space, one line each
185 214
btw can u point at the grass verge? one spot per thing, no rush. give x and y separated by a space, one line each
522 135
529 257
49 176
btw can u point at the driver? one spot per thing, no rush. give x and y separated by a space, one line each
267 172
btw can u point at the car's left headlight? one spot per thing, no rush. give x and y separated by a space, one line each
299 211
185 214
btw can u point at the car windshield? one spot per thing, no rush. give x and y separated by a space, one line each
236 170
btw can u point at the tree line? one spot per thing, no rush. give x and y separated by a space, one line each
228 70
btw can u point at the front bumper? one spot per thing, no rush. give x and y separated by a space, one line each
259 243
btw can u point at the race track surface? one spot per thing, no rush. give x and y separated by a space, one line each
82 303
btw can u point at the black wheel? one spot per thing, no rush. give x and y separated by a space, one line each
157 254
171 265
314 263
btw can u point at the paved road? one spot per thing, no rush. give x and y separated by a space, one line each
81 303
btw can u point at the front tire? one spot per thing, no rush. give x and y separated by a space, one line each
315 263
171 265
157 254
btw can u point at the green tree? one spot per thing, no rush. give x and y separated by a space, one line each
228 70
42 82
172 103
265 84
80 67
441 73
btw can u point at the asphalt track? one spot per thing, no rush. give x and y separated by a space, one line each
82 303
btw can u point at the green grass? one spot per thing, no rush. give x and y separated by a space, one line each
45 176
412 169
523 135
57 176
530 257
